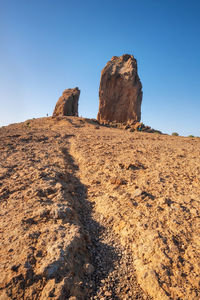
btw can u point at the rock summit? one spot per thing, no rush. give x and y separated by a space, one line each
67 104
120 92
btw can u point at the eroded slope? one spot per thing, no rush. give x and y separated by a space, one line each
73 192
42 249
148 186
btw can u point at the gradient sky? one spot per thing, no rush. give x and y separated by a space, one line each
47 46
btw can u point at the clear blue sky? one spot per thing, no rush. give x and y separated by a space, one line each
47 46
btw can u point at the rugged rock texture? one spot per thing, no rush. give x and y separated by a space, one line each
67 104
42 246
146 186
120 224
120 92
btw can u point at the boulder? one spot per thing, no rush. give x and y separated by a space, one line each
67 104
120 92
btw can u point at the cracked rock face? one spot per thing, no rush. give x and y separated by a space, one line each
67 104
120 92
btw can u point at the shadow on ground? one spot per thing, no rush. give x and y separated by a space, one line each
102 256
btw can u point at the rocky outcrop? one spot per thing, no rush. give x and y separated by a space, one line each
67 104
120 92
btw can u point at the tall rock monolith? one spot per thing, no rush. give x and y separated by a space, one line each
120 92
67 104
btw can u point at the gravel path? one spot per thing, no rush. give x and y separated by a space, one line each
112 270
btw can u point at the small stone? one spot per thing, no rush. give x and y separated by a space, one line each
39 253
108 294
89 268
27 265
137 193
110 219
15 268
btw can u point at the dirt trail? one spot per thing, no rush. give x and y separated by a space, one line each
98 213
43 247
147 188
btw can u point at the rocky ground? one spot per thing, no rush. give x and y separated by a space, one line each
91 212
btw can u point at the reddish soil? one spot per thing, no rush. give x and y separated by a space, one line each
93 212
